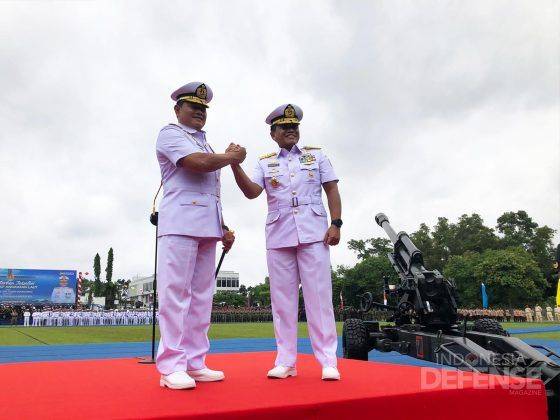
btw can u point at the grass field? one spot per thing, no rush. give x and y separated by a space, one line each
19 336
528 325
555 335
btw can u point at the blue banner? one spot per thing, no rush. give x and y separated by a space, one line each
46 287
484 296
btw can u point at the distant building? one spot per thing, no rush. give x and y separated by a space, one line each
141 289
227 281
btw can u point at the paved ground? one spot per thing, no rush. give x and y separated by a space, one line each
14 354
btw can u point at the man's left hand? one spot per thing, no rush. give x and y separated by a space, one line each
332 237
227 240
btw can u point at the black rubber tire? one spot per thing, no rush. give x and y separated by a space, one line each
354 339
489 326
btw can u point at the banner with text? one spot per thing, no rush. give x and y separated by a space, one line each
46 287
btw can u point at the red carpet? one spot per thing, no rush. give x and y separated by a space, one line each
121 388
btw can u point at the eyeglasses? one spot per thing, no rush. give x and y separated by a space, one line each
289 126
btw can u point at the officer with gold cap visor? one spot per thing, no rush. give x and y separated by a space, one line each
297 239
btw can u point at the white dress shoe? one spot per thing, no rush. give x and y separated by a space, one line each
281 372
177 380
206 375
330 374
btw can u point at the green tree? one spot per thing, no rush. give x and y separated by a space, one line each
243 290
110 294
512 277
229 298
370 247
519 229
109 269
97 275
448 239
461 269
365 276
471 235
260 294
442 245
87 288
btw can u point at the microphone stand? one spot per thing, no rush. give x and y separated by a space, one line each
153 221
152 360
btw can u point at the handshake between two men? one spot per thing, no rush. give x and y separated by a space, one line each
237 153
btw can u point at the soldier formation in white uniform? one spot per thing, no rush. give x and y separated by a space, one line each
85 318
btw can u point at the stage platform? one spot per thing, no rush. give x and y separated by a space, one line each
124 389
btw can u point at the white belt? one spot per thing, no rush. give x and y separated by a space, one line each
295 202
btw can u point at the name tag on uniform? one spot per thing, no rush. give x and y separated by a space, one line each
273 164
307 159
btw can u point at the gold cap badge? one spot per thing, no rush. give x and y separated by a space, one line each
289 112
201 92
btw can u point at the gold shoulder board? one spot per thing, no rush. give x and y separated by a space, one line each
267 155
311 148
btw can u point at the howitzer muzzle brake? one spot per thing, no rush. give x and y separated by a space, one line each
380 218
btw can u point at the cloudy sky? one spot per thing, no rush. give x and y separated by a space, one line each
425 109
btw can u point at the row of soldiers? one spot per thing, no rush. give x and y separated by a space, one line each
551 314
61 318
501 315
69 318
514 315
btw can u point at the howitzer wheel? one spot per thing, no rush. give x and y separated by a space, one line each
355 340
489 326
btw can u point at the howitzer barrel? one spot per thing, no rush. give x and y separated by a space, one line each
383 221
403 245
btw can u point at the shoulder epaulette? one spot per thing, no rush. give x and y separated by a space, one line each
311 148
267 155
172 126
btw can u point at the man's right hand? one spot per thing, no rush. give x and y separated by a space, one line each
236 153
232 147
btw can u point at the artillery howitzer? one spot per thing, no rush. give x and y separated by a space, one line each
425 326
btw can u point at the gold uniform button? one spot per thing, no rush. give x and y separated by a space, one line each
194 202
292 175
289 159
295 211
294 193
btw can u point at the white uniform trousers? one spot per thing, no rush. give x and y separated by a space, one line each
185 285
310 265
